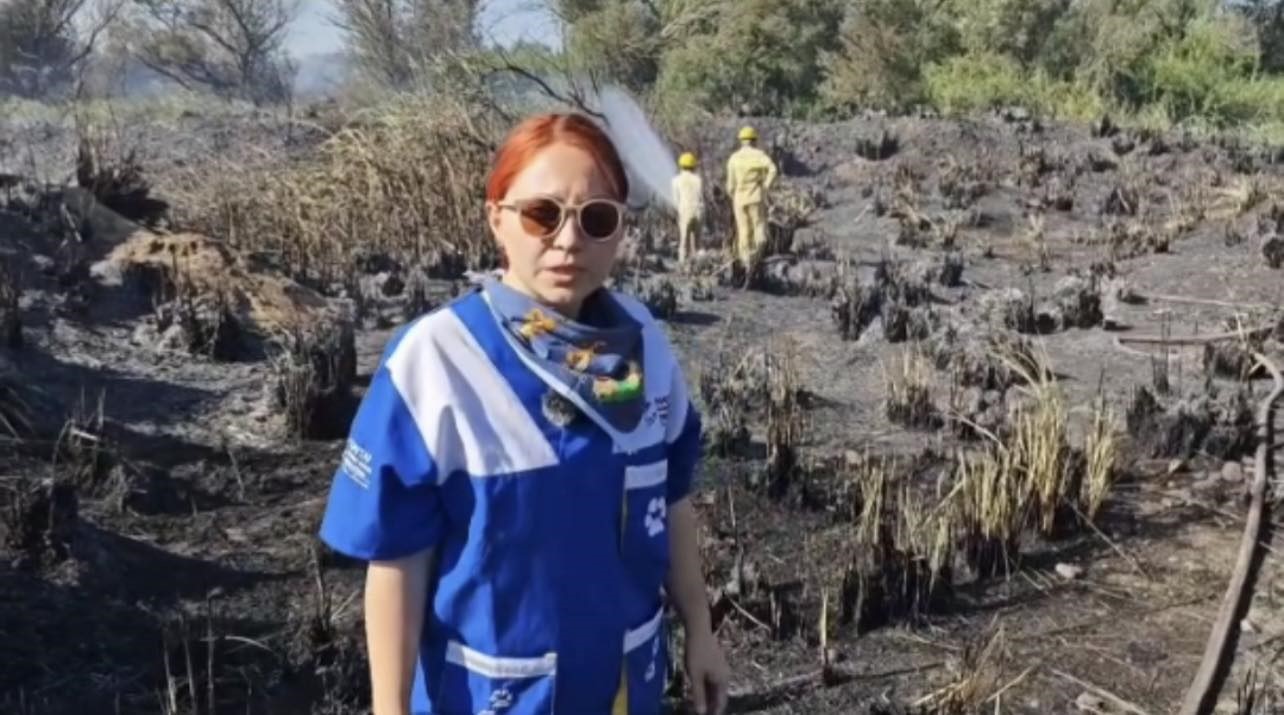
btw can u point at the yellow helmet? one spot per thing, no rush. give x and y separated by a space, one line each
687 161
748 134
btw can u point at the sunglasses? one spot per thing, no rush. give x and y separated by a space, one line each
543 217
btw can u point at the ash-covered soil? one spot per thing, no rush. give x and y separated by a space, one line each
168 434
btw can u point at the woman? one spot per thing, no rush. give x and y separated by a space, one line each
518 474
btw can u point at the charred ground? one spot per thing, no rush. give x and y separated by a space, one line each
943 471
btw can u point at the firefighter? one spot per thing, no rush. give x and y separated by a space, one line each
750 176
688 196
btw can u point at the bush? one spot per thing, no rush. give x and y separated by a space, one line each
401 185
980 81
1207 73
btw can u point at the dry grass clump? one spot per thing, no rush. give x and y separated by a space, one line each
203 322
898 296
1029 475
1208 421
990 505
315 369
1258 696
401 181
973 355
884 146
13 410
977 677
903 549
1101 454
1007 308
792 207
1040 450
961 184
784 416
1234 359
657 293
38 520
1026 477
10 295
908 383
115 177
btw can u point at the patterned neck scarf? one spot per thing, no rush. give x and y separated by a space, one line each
598 356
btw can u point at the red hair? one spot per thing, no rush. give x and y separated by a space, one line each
538 132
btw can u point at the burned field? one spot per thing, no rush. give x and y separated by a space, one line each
980 428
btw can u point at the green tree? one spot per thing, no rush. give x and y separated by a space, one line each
883 48
755 56
618 40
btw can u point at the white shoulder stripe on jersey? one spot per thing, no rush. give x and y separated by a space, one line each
466 411
492 667
645 476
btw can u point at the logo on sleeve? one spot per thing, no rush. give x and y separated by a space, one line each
657 411
357 464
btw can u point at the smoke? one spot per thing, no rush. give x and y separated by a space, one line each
647 157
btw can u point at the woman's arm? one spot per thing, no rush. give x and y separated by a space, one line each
705 662
686 580
395 601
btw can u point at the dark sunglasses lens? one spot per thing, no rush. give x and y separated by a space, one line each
599 219
541 217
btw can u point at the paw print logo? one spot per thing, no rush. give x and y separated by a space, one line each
655 513
500 700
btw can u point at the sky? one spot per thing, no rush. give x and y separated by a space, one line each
503 21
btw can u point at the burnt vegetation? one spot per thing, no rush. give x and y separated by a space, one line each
981 407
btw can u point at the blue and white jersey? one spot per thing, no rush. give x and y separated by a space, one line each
552 542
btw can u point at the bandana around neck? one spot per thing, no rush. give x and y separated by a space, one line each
599 356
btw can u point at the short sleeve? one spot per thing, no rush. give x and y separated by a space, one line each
384 500
683 437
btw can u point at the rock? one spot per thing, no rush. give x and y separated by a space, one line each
1089 703
1080 301
1007 308
1233 473
1273 250
659 296
392 284
700 290
44 264
107 273
1069 572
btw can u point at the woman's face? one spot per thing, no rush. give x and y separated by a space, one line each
563 269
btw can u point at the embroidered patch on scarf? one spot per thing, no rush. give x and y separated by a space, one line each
598 356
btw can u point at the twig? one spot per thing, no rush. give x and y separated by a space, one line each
747 614
760 698
1195 339
1201 696
1136 565
1101 693
1199 301
1015 682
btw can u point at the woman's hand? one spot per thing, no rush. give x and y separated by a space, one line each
708 672
705 664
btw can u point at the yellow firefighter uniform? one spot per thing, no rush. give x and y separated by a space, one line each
750 175
688 197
